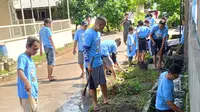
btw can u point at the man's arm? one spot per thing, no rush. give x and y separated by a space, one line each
74 48
163 44
26 82
41 52
122 23
52 43
173 106
21 63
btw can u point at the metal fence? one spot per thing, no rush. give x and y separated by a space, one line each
14 32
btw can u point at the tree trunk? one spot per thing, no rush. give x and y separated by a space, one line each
76 26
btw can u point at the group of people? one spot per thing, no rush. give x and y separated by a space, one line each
95 56
153 37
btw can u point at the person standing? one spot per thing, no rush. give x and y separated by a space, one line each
158 37
109 50
93 61
142 34
45 35
78 38
165 91
126 24
131 49
151 20
27 84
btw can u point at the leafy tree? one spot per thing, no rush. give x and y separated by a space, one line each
79 9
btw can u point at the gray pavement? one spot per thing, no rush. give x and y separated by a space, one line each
52 95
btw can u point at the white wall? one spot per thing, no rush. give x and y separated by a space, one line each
35 3
15 48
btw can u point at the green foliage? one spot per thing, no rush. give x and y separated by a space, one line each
79 9
173 19
139 16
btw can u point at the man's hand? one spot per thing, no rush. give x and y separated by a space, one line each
89 68
41 53
160 53
74 51
28 86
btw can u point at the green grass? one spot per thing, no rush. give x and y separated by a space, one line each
39 59
2 72
132 93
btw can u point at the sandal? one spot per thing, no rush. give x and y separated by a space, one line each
82 75
53 78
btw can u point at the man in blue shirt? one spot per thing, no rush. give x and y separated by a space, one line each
27 84
158 36
45 35
165 91
151 20
142 34
78 38
93 61
108 52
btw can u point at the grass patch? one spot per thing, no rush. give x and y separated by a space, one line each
39 59
2 72
131 94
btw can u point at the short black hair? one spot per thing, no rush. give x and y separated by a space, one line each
118 41
175 69
47 20
150 15
125 14
146 21
140 23
162 22
130 28
101 18
31 40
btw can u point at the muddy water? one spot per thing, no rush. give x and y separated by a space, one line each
77 103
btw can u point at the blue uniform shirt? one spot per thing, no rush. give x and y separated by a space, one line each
26 64
108 47
157 33
143 31
151 20
130 43
92 48
45 33
79 37
164 92
135 40
182 37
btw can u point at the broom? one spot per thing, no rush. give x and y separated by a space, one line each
90 76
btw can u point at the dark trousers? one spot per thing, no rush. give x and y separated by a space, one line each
164 110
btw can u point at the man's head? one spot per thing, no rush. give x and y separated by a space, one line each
47 22
150 15
88 19
174 71
140 23
126 16
118 41
164 19
100 23
32 45
161 24
84 25
147 23
131 30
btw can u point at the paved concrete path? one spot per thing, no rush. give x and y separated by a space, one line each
52 95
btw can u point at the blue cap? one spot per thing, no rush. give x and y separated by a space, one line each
84 23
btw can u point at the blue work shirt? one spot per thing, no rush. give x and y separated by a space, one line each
135 40
158 33
26 64
151 20
108 47
143 31
92 48
130 43
165 92
45 33
79 37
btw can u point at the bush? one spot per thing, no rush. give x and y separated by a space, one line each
173 21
